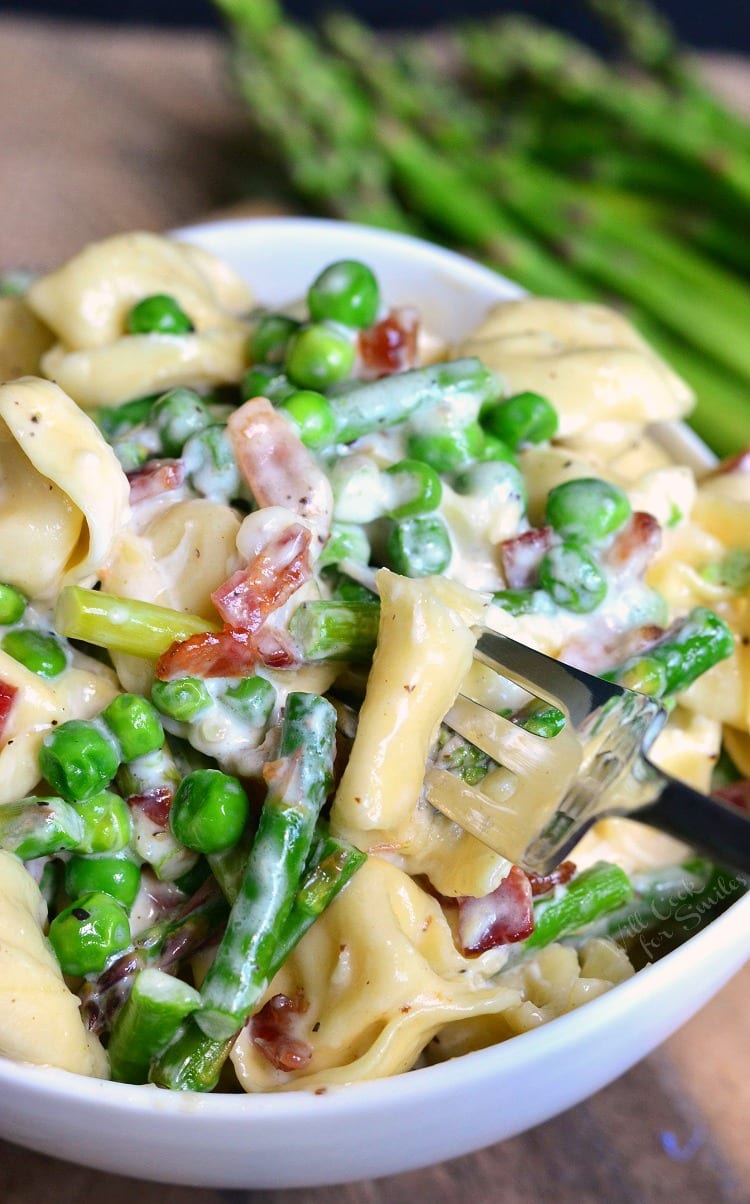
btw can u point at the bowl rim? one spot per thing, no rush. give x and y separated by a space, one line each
716 942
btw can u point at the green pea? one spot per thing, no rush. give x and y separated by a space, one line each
212 469
135 724
88 933
419 547
265 380
176 416
311 413
588 508
318 356
78 759
543 720
114 421
268 341
183 699
35 650
524 418
515 601
346 589
345 292
158 314
497 480
446 451
494 449
572 577
12 605
119 877
347 541
209 811
418 488
253 698
107 827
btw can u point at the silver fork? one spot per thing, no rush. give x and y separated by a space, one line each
549 790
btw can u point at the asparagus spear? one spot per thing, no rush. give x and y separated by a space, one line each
495 50
308 107
696 300
147 1022
193 1061
178 935
39 827
650 41
688 650
330 631
362 408
595 892
123 624
298 787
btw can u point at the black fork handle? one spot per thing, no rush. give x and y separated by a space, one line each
720 830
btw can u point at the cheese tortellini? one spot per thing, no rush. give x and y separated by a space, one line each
86 303
40 1020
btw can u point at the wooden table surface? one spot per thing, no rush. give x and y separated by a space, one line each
104 130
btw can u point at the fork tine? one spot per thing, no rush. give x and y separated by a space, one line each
502 740
575 692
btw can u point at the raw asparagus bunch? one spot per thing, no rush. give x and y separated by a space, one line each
483 155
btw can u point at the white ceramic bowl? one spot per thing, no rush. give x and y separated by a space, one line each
397 1124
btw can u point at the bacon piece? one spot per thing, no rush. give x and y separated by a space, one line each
7 698
635 545
522 555
230 652
277 466
157 476
155 804
500 918
391 344
271 1030
544 884
735 792
271 577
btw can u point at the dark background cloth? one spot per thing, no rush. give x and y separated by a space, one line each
722 24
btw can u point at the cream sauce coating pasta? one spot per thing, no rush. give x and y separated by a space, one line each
376 993
86 303
424 653
587 359
63 494
40 1020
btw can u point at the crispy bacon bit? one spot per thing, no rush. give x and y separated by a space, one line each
522 555
635 545
500 918
736 792
226 653
280 568
391 344
544 884
7 698
155 804
277 466
157 476
272 1032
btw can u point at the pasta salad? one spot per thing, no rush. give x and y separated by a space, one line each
243 558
